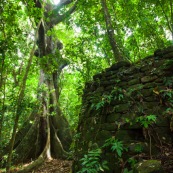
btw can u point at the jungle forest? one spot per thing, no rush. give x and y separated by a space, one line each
86 86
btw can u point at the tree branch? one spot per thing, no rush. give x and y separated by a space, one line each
61 4
59 18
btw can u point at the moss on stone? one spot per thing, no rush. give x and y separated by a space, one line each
148 166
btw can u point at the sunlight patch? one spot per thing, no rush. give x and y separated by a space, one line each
55 1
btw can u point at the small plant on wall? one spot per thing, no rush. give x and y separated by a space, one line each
100 101
145 121
115 145
118 93
92 162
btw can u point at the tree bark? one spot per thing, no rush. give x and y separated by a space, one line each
110 32
2 89
171 20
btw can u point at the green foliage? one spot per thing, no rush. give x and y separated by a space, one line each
132 162
15 46
127 171
115 145
169 111
138 148
100 101
136 24
167 94
168 81
145 121
99 105
71 87
117 93
92 163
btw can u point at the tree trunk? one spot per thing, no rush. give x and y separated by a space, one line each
171 20
46 133
110 32
2 93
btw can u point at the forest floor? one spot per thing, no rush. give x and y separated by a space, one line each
55 166
64 166
166 158
50 166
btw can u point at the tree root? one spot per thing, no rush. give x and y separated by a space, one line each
33 165
43 156
53 145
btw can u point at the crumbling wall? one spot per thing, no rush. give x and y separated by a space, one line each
116 99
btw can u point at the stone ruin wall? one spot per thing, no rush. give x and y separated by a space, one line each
119 95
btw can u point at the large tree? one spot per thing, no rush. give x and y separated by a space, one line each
48 135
